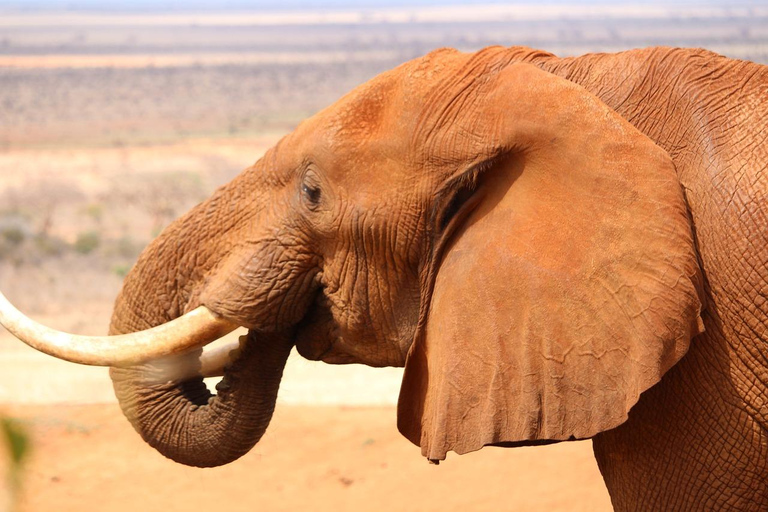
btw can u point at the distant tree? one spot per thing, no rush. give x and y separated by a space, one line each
40 200
163 196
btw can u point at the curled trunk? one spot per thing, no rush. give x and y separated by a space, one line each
188 424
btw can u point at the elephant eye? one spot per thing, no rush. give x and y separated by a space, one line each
310 189
311 193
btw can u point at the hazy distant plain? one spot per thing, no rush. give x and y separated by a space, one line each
104 79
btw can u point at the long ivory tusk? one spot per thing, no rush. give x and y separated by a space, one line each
193 330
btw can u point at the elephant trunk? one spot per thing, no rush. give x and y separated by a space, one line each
201 260
188 424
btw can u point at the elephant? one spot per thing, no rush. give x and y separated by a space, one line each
553 248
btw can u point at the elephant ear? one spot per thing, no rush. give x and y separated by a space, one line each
569 290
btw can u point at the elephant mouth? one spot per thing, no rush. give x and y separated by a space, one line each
317 333
320 337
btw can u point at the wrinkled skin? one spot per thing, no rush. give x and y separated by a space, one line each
334 241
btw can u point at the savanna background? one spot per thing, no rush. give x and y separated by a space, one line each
116 117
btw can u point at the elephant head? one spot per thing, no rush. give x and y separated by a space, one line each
522 250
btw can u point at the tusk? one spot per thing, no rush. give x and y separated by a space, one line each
193 330
213 361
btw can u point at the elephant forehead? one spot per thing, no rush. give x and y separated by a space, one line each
363 114
393 105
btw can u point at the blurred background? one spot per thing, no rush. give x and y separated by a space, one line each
118 116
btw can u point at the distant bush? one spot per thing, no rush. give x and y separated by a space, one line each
95 211
121 270
13 236
127 247
45 245
14 225
14 230
87 242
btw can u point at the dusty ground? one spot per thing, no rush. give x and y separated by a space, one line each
312 458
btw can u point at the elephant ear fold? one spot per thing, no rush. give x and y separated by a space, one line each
571 288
